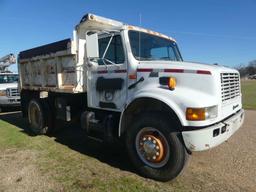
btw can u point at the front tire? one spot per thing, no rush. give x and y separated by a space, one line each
155 147
37 118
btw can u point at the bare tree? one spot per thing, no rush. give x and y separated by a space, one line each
249 69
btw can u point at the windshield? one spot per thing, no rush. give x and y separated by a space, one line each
150 47
10 78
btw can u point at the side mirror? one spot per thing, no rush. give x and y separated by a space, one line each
92 45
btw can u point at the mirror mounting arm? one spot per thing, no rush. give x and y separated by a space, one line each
105 52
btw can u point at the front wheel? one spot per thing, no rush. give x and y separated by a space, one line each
155 147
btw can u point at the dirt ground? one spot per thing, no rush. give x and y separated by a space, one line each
228 167
20 174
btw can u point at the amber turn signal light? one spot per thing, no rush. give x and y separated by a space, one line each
172 83
195 114
168 81
2 93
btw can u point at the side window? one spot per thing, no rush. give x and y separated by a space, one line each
115 52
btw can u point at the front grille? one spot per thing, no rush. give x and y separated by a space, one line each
230 86
12 92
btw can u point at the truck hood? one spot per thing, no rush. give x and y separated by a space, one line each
198 85
8 85
185 66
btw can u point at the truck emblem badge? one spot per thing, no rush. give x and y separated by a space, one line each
235 106
153 74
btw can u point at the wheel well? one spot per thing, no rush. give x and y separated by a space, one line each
26 96
145 105
77 101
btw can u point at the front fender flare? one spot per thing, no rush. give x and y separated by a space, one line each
155 95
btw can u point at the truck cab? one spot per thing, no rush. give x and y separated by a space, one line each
151 69
9 94
131 84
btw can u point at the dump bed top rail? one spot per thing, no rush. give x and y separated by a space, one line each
45 49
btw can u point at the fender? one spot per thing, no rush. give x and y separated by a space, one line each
154 94
176 100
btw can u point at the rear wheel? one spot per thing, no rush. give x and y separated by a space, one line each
155 147
37 118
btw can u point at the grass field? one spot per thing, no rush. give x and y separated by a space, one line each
65 162
249 94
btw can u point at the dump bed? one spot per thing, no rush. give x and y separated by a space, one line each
51 67
60 66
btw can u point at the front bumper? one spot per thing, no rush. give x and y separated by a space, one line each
209 137
9 101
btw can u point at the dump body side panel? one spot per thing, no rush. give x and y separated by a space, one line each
51 67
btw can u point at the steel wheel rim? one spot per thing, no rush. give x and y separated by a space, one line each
152 147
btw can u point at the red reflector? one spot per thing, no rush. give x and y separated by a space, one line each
120 71
132 76
100 72
145 70
174 70
203 72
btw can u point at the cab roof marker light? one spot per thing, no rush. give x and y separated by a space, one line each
136 28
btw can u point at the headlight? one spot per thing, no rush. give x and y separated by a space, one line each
211 112
2 93
200 114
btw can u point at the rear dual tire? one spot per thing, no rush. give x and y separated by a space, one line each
155 147
39 118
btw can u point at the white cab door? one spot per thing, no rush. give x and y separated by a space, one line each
107 77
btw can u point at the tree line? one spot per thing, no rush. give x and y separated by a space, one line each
247 70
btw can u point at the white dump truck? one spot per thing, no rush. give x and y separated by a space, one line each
9 94
131 84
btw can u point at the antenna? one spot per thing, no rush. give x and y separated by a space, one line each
139 37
